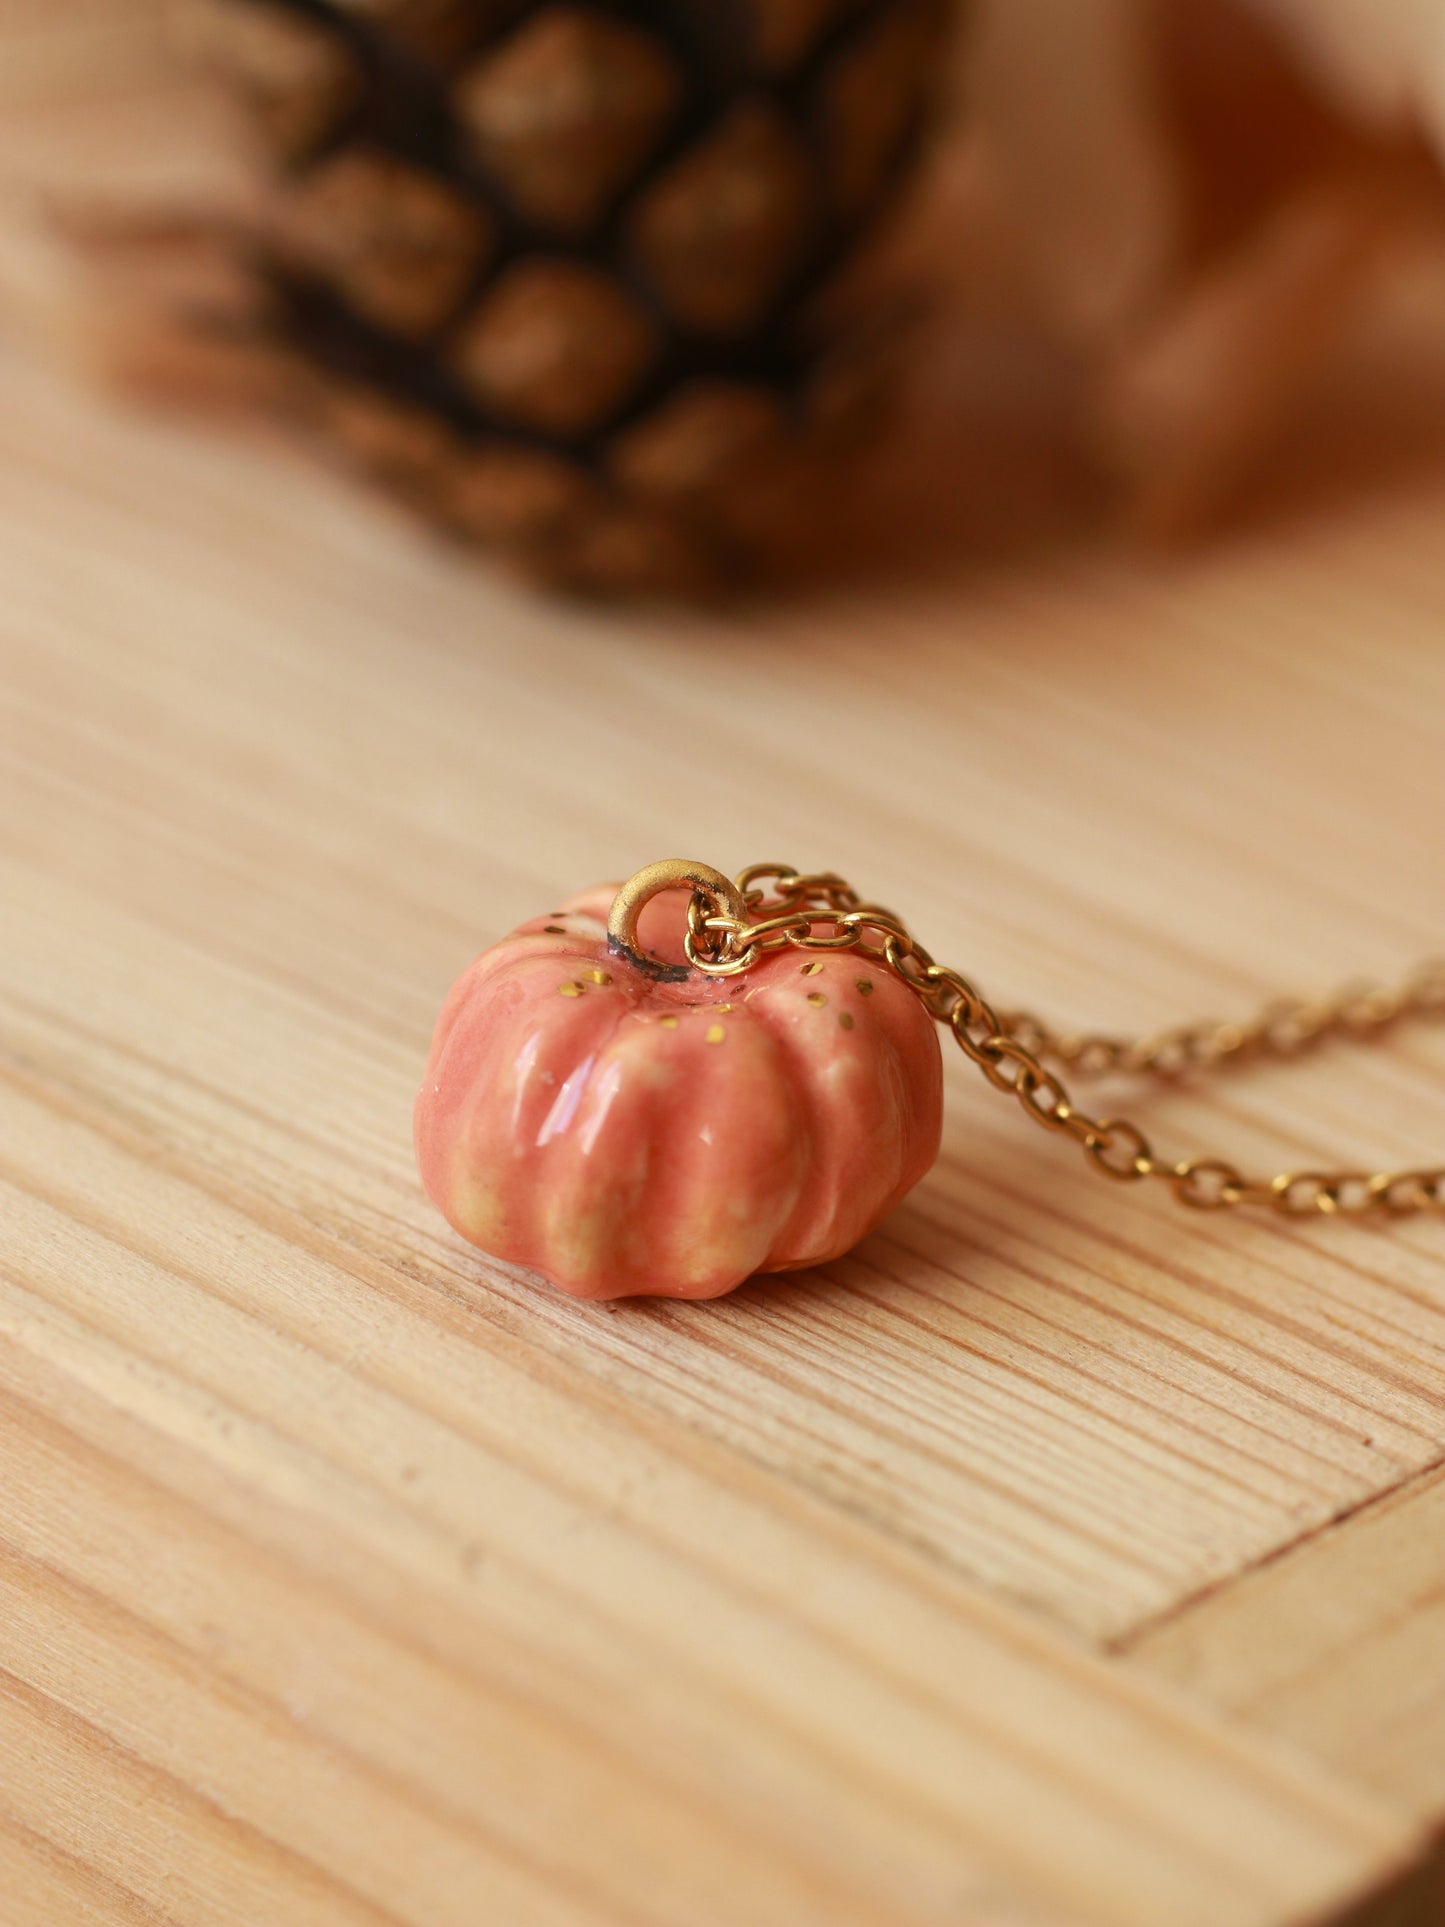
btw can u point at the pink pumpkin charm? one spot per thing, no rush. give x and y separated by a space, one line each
625 1126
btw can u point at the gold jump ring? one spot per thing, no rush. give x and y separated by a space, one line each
672 873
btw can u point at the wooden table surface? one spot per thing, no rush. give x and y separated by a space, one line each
1058 1558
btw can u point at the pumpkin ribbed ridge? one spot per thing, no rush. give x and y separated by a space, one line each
623 1135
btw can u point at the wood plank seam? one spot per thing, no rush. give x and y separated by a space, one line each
294 1226
440 1243
1421 1479
1035 1563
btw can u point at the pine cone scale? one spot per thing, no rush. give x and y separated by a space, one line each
580 238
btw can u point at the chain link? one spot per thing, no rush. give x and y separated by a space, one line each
1014 1050
1282 1030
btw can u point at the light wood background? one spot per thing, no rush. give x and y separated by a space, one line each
1057 1559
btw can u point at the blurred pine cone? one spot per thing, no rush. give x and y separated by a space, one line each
556 265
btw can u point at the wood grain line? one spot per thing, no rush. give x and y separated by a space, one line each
873 1725
78 1776
44 1885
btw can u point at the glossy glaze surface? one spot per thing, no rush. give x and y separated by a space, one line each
623 1135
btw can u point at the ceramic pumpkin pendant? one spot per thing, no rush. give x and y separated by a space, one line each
624 1122
636 1098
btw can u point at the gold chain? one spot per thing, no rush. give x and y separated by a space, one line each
822 912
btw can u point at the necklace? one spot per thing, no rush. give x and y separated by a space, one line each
752 1086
